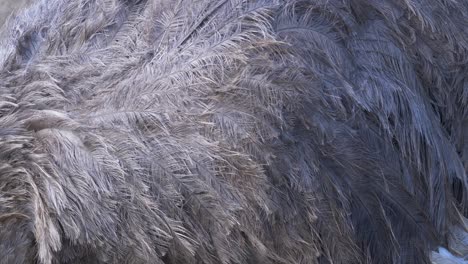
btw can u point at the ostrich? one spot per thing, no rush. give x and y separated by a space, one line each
234 131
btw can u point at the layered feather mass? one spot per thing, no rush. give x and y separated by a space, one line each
233 131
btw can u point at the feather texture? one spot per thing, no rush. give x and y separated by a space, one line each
233 131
